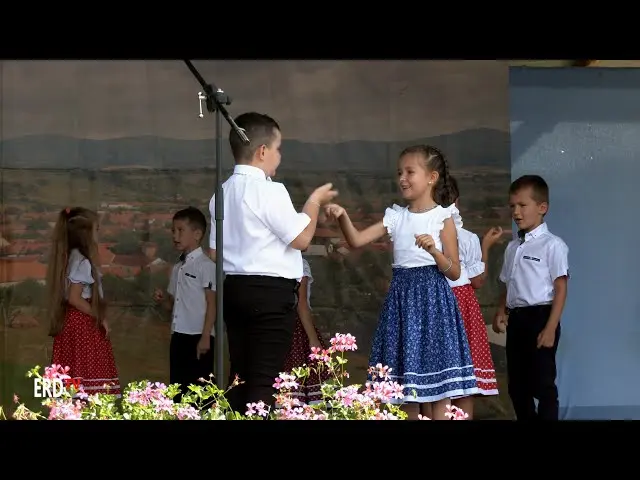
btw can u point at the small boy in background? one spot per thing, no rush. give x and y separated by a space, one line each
192 301
535 274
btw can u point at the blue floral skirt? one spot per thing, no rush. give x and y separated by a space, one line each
421 336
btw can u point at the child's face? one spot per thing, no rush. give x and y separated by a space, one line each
525 211
185 236
96 230
414 177
271 156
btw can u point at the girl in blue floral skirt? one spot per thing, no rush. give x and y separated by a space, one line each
420 334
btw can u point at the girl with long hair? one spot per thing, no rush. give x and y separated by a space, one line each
77 309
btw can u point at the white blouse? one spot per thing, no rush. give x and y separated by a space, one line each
471 264
402 226
79 271
307 273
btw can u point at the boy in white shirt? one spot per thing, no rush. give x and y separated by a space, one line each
192 300
264 237
535 273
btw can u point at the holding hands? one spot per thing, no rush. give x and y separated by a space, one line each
334 211
323 195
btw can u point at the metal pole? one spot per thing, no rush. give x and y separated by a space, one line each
216 99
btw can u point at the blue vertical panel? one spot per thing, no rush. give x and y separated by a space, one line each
580 130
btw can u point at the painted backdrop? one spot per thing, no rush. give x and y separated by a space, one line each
125 138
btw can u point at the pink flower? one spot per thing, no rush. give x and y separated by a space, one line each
187 412
65 409
455 413
380 372
285 381
343 342
423 417
56 371
348 395
153 394
286 401
383 415
384 391
320 355
259 409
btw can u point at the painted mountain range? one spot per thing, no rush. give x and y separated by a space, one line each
468 148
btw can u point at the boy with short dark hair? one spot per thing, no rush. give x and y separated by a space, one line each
192 299
535 273
263 239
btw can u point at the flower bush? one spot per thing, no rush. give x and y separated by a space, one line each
146 400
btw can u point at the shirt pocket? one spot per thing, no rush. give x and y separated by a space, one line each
534 265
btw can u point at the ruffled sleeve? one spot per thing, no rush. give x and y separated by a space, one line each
455 215
306 270
390 218
79 269
473 257
441 215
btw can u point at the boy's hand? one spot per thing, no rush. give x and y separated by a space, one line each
158 295
546 338
492 236
500 323
204 345
324 194
334 211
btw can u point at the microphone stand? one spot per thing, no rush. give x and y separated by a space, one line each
216 100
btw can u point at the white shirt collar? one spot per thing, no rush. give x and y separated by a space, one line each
194 254
250 171
536 232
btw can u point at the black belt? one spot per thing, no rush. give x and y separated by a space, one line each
509 311
277 280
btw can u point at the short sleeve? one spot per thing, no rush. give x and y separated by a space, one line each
558 260
212 229
171 289
80 270
277 212
504 273
390 219
208 275
473 257
306 270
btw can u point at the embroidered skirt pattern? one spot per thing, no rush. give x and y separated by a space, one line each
421 336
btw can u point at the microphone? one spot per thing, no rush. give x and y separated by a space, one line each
201 97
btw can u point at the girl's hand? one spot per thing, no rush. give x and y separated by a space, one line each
334 211
158 295
314 342
426 242
492 236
